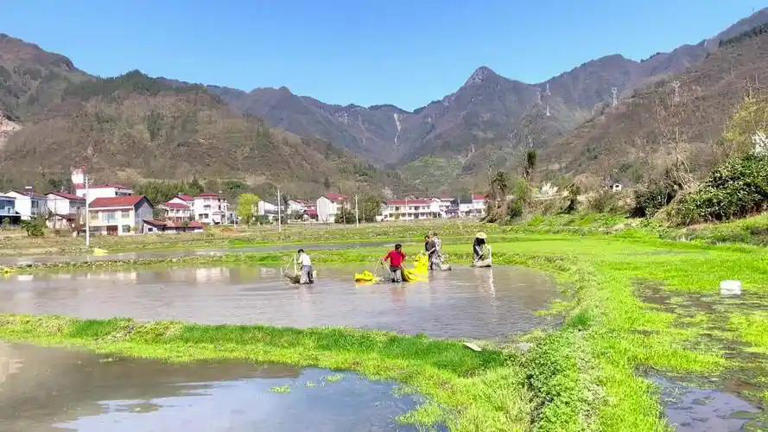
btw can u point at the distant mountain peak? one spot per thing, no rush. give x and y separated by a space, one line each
481 74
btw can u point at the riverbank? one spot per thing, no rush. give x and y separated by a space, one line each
587 375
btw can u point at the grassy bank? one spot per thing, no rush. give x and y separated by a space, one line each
752 230
585 376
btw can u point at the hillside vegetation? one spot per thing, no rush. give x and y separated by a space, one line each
134 127
682 124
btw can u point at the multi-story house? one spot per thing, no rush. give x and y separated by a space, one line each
67 211
28 203
211 209
411 209
330 205
179 209
123 215
478 205
8 210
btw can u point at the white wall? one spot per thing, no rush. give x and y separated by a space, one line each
326 210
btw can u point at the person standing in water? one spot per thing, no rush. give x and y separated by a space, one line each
431 248
396 258
480 250
307 272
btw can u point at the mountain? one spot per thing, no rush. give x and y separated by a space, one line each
31 80
53 115
133 127
489 115
676 118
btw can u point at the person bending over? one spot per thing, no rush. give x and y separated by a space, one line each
396 258
307 276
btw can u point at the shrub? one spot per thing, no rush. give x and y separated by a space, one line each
34 227
654 196
574 190
604 201
345 215
514 209
736 189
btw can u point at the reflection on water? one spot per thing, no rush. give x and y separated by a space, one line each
44 389
162 254
465 302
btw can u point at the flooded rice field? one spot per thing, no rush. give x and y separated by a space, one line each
692 409
465 302
48 389
12 261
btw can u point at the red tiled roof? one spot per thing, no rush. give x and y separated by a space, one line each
208 195
67 196
117 202
185 197
410 202
336 197
478 197
176 205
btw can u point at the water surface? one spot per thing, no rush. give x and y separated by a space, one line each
692 409
12 261
47 389
465 302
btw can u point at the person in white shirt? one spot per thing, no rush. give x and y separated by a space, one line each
307 271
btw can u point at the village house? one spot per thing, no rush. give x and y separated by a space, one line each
152 226
28 204
8 210
302 209
211 209
411 209
102 191
297 206
179 209
449 206
478 205
67 211
122 215
330 205
268 210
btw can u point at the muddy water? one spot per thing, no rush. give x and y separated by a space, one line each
465 302
45 389
692 409
10 261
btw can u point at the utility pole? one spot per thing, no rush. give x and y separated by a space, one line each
87 218
279 214
357 214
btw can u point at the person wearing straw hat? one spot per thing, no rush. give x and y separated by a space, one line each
481 251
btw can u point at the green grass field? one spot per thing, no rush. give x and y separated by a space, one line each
586 375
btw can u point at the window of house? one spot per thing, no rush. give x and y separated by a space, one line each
126 228
109 217
125 214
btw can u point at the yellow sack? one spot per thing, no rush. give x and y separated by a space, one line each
420 270
366 277
99 252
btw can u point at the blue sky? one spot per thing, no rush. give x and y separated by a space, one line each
366 52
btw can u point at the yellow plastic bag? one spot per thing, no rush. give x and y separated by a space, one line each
420 270
366 277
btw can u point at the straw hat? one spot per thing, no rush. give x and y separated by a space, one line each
481 235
